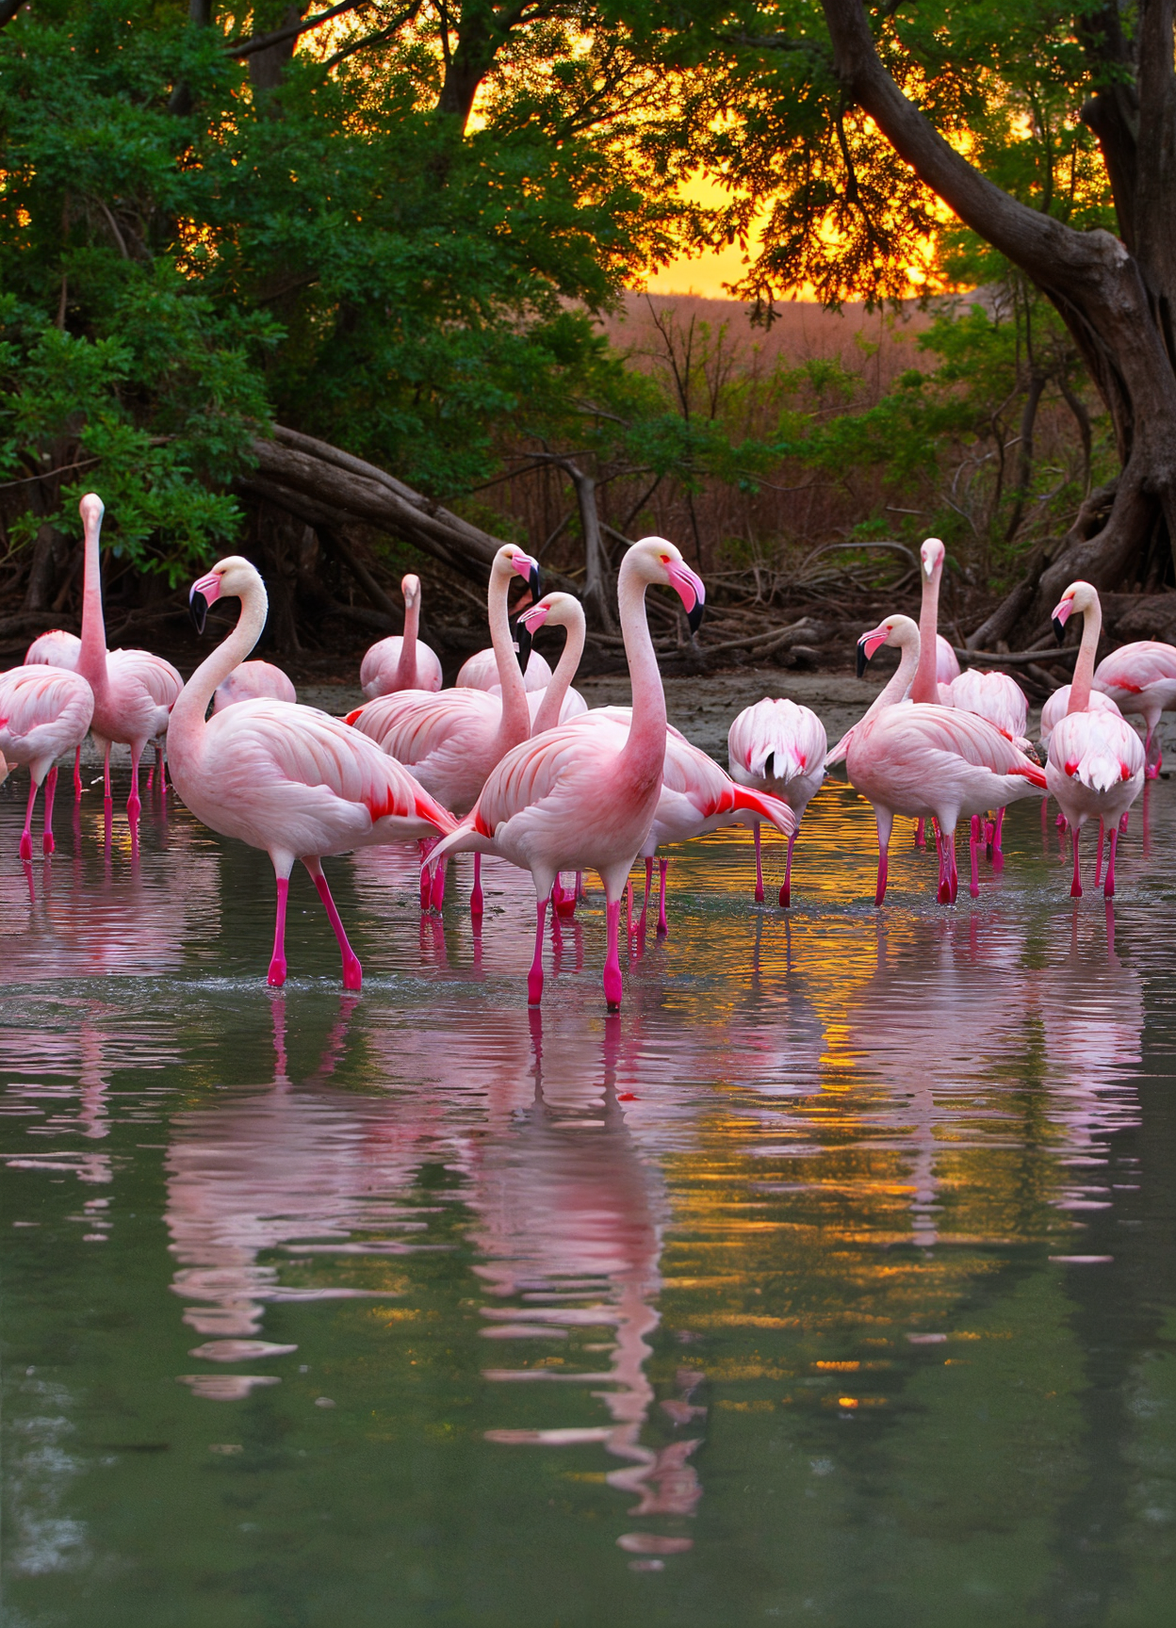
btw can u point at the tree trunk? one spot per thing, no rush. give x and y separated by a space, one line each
597 588
1116 304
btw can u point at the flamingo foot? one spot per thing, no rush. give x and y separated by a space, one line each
1109 887
78 775
785 896
134 809
883 872
1123 823
48 846
1076 884
277 972
662 925
437 891
613 987
477 904
535 975
26 845
920 833
974 881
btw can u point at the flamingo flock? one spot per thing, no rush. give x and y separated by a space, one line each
513 762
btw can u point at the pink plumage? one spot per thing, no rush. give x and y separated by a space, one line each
402 661
56 648
1057 705
779 747
480 672
254 681
947 665
44 713
994 696
1141 678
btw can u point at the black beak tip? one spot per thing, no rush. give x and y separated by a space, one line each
536 590
695 615
862 659
198 610
523 644
1059 628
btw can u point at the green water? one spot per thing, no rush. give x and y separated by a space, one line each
832 1283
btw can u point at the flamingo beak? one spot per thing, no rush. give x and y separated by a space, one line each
201 596
690 589
867 645
928 567
528 569
534 617
1060 617
523 644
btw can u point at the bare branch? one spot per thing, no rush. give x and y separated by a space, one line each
291 31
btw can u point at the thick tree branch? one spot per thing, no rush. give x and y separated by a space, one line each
291 31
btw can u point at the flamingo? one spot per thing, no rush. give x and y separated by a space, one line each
286 778
1097 762
938 665
779 747
582 796
1003 702
1057 706
44 712
402 663
453 739
928 761
134 691
480 671
252 681
557 701
1141 678
57 648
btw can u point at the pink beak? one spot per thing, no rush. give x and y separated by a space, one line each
690 589
208 586
1062 611
535 616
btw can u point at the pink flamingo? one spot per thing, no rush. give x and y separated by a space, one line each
1058 705
779 747
402 662
57 648
1141 678
937 660
1003 702
582 796
480 671
557 702
928 761
134 691
254 681
285 778
453 739
44 713
1096 762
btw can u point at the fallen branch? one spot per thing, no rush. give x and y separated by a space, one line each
1016 658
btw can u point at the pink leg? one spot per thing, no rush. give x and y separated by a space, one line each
535 976
953 873
648 889
786 889
78 775
1060 822
883 869
943 892
1153 766
437 893
134 806
612 965
629 906
26 840
47 843
974 884
425 845
662 924
106 780
352 971
1076 884
1102 837
920 833
476 901
1109 888
997 850
1123 822
759 869
277 966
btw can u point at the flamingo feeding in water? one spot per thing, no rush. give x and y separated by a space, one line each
1141 678
44 713
402 662
779 747
1096 760
453 739
928 761
582 796
134 691
254 681
285 778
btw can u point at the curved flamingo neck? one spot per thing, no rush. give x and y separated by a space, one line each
1087 650
516 715
407 665
645 749
553 696
895 691
187 722
92 655
925 686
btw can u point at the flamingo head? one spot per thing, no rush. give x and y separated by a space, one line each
1079 596
410 587
932 554
510 559
556 609
894 630
91 509
656 560
231 578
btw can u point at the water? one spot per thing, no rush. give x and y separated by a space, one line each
831 1283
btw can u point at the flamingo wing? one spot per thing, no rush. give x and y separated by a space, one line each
947 666
44 712
1098 749
1135 667
157 676
777 741
959 734
56 648
994 696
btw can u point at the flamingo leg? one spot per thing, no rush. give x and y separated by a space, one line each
1109 889
26 840
953 874
612 965
974 884
476 900
662 925
997 850
47 842
78 775
1102 837
277 966
134 806
920 833
437 893
759 869
352 971
648 888
629 907
1076 884
106 779
425 846
786 889
1123 822
1152 764
885 825
943 892
535 976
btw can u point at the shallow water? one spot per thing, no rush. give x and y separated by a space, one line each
831 1283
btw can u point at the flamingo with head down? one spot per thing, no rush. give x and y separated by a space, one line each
44 713
403 661
1096 762
778 747
284 778
254 681
57 648
928 761
1141 678
583 796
